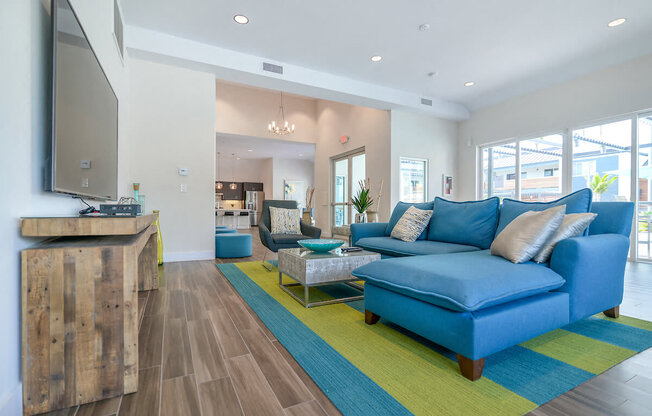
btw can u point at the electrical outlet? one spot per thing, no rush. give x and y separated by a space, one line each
183 187
84 183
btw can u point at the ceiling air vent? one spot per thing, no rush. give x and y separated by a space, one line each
277 69
426 101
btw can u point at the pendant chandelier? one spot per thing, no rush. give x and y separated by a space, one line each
219 178
283 127
233 186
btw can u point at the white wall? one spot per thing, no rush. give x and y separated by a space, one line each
292 169
423 137
247 111
172 123
613 91
24 131
244 170
268 177
366 127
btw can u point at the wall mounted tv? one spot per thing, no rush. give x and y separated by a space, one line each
83 157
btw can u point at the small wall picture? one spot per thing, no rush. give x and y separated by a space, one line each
295 191
447 185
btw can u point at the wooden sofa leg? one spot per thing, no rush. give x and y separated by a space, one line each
613 312
370 318
471 369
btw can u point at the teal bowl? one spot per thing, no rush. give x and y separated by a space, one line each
320 245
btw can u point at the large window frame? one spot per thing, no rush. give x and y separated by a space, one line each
567 163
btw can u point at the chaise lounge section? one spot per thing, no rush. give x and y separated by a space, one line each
458 295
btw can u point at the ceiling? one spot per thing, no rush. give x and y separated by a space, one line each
227 144
507 47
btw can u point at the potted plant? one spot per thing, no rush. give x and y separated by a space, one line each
600 184
362 201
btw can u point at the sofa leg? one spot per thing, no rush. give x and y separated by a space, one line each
370 318
613 312
471 369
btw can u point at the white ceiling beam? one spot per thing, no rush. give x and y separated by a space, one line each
239 67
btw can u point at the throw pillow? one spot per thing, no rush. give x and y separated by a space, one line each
572 226
472 223
285 221
577 202
398 212
411 224
524 237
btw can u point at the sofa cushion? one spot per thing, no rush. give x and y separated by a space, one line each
460 281
577 202
398 212
411 225
288 238
397 248
472 223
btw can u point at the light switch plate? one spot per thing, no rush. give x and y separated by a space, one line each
84 183
183 187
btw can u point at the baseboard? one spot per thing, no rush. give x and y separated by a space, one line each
188 256
12 403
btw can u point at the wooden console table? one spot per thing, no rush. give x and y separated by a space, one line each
80 307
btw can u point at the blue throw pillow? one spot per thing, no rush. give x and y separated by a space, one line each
472 223
577 202
398 212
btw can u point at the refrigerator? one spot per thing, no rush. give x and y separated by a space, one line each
254 203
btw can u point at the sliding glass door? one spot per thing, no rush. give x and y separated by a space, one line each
644 185
347 171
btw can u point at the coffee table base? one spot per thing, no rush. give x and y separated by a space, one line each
306 293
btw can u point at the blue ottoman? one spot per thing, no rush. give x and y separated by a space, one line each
232 245
225 231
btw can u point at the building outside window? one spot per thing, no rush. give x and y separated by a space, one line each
413 176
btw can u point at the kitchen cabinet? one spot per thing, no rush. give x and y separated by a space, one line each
253 186
232 194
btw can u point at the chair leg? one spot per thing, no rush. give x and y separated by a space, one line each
471 369
266 265
613 312
370 318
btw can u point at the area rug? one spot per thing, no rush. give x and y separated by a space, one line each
385 370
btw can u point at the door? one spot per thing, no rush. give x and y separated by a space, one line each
347 172
644 186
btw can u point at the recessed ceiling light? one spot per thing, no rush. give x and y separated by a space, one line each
376 58
249 150
241 18
469 84
300 154
617 22
238 158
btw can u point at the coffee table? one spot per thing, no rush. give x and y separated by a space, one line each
309 269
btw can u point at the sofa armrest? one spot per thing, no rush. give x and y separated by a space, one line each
266 237
368 229
309 230
594 270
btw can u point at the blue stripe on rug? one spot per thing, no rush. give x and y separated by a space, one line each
535 376
350 390
613 333
529 374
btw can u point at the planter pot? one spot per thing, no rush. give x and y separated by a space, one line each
360 217
372 216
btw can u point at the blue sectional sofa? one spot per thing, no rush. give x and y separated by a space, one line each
448 288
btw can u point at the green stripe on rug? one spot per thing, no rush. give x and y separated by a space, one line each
408 370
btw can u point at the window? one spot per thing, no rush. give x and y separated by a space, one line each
348 171
499 171
413 180
602 160
540 168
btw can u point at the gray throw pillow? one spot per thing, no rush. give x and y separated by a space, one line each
525 236
411 224
572 226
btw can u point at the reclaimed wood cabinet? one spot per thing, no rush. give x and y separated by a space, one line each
80 308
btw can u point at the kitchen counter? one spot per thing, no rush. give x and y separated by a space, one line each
236 221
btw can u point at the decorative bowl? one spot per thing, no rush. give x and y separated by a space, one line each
320 245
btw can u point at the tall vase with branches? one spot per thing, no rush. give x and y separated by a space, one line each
362 201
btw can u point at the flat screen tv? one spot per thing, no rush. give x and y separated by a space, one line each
83 157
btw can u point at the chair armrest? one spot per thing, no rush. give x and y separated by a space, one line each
310 231
594 270
368 229
266 237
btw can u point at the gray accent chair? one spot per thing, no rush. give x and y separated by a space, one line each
274 242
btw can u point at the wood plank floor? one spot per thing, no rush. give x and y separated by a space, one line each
203 351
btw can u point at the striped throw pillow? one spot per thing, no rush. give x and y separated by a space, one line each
411 224
285 221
